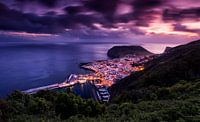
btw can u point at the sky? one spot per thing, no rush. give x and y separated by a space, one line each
149 21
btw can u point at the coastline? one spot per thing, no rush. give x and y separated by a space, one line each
85 63
82 65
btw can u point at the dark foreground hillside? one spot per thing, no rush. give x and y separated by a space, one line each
180 102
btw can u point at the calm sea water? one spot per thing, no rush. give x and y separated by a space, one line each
29 65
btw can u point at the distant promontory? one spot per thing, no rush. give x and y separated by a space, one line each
121 51
167 49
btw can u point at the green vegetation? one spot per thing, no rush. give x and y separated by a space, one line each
179 102
47 105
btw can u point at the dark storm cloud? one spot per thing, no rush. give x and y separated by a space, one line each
145 18
103 6
3 7
179 27
181 14
48 3
141 5
137 31
17 21
73 9
108 8
144 11
50 13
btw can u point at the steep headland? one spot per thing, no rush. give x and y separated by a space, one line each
121 51
167 49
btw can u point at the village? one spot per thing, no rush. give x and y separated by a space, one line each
112 70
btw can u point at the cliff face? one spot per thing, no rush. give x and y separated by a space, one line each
180 63
167 49
121 51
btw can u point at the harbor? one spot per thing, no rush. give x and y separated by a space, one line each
104 74
101 92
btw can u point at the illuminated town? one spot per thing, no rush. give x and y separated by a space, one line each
109 71
105 73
